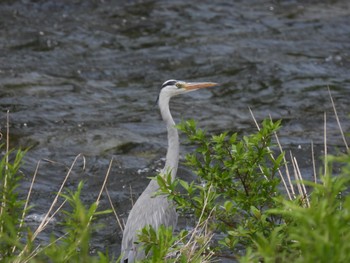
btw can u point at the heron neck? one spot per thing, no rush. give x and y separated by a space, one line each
172 156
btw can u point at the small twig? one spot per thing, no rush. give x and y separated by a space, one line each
32 254
287 172
304 192
105 181
131 200
296 174
338 122
114 211
252 114
36 250
27 202
313 161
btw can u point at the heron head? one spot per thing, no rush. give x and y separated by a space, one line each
173 87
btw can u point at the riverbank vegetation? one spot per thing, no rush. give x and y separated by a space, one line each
247 205
241 212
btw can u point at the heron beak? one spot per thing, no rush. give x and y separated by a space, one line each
199 85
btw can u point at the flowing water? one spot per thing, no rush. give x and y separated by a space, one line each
83 77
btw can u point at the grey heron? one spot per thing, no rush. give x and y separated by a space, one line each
150 209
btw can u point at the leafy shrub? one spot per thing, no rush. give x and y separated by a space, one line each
318 233
237 197
237 183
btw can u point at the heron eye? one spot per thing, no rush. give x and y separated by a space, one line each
178 85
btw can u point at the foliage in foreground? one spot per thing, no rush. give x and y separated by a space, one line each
17 241
237 196
11 208
237 183
319 233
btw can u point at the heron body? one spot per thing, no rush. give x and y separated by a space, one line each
150 209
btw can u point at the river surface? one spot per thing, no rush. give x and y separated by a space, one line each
83 77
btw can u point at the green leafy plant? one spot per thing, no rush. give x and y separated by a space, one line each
237 183
11 209
78 226
163 246
237 195
17 241
318 233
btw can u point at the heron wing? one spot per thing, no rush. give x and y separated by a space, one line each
148 210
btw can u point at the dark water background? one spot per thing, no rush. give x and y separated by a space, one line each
83 77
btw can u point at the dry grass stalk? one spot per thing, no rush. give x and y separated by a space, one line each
27 201
199 234
284 160
313 162
114 211
297 174
199 239
292 195
299 181
338 122
104 181
304 192
98 198
44 222
325 142
38 249
131 199
47 218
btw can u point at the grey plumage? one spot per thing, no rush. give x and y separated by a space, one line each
157 210
146 211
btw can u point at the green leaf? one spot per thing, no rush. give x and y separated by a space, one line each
228 205
184 184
